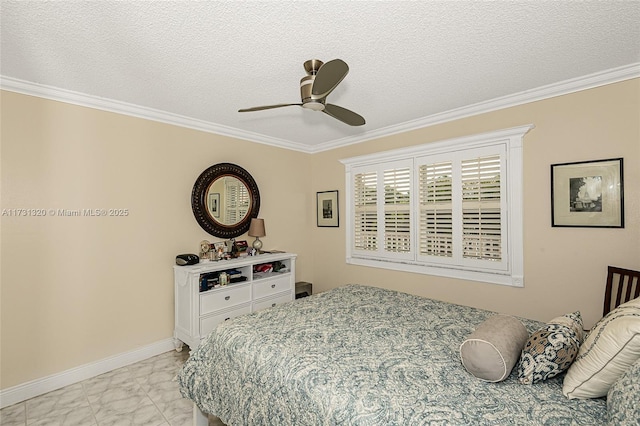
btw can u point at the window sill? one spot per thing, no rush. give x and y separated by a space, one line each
449 272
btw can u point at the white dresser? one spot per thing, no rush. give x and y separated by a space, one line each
198 312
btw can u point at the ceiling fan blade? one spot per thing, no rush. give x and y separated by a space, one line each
344 115
328 77
260 108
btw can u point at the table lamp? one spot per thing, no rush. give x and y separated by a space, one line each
256 229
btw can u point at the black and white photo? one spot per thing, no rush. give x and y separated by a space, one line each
327 208
587 194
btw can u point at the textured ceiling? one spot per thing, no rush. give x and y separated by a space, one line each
197 63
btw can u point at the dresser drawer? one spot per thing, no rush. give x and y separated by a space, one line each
215 300
270 303
270 286
207 324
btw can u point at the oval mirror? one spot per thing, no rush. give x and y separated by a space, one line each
224 200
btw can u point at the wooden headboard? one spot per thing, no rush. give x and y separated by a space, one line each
622 285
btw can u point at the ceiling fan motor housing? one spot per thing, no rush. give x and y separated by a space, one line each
308 100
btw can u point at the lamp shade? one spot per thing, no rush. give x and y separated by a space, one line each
256 229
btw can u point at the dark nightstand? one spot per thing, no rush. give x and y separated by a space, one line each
303 289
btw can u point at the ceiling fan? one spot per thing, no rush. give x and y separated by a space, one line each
319 82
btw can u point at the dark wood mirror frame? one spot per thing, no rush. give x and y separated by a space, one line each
199 200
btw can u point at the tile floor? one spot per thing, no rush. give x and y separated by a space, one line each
145 393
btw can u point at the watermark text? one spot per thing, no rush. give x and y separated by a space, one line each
58 212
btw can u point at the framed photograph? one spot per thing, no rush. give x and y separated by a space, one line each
214 204
588 194
327 209
242 246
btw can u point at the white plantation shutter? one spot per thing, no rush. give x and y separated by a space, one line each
397 210
450 208
481 208
461 209
365 200
436 214
237 202
381 220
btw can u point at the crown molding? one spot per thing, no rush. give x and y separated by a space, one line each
590 81
81 99
565 87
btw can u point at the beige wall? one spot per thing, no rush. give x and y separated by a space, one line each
565 268
76 290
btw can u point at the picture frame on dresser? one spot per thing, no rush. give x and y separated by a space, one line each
242 246
588 194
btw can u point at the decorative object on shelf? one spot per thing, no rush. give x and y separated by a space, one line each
588 194
327 209
223 278
213 255
257 230
242 247
187 259
234 248
224 199
205 246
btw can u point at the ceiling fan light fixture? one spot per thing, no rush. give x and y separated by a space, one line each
314 105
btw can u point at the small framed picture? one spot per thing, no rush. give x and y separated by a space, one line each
327 209
588 194
214 204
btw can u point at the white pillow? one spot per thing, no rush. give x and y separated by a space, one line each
491 351
610 348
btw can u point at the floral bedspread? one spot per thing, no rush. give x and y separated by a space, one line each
360 355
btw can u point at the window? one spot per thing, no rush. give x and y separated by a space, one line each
237 202
450 208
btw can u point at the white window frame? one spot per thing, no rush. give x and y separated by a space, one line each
511 269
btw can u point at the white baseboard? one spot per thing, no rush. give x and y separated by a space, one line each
28 390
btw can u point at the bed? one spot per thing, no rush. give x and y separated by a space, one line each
361 355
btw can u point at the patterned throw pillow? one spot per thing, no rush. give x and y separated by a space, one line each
551 350
622 399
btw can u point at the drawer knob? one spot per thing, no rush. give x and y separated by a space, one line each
273 304
227 298
273 286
